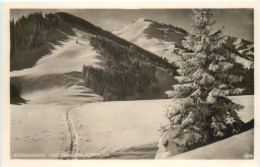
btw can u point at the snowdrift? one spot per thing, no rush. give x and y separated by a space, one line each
240 146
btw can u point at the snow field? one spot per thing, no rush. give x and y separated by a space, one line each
102 127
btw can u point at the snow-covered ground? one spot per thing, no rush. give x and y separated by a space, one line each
135 34
100 127
39 129
246 114
111 126
75 94
103 127
240 146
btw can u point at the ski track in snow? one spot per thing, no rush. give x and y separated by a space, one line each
74 137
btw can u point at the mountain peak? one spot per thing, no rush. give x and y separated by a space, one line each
140 20
143 20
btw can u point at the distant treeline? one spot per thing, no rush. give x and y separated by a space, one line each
126 74
31 37
119 82
26 31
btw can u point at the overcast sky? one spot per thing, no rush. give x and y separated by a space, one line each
239 22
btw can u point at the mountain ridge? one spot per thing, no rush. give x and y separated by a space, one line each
117 54
163 33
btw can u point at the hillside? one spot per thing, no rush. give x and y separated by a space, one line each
56 77
62 44
165 41
70 56
160 39
63 22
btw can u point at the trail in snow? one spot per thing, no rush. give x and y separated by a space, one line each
74 137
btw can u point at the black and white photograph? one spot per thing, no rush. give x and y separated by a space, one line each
131 84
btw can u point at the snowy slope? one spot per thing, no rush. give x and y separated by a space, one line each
135 33
50 81
67 57
64 95
162 39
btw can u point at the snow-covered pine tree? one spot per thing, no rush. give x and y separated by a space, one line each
200 105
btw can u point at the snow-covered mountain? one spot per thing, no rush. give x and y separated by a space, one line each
165 41
48 54
160 39
243 51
